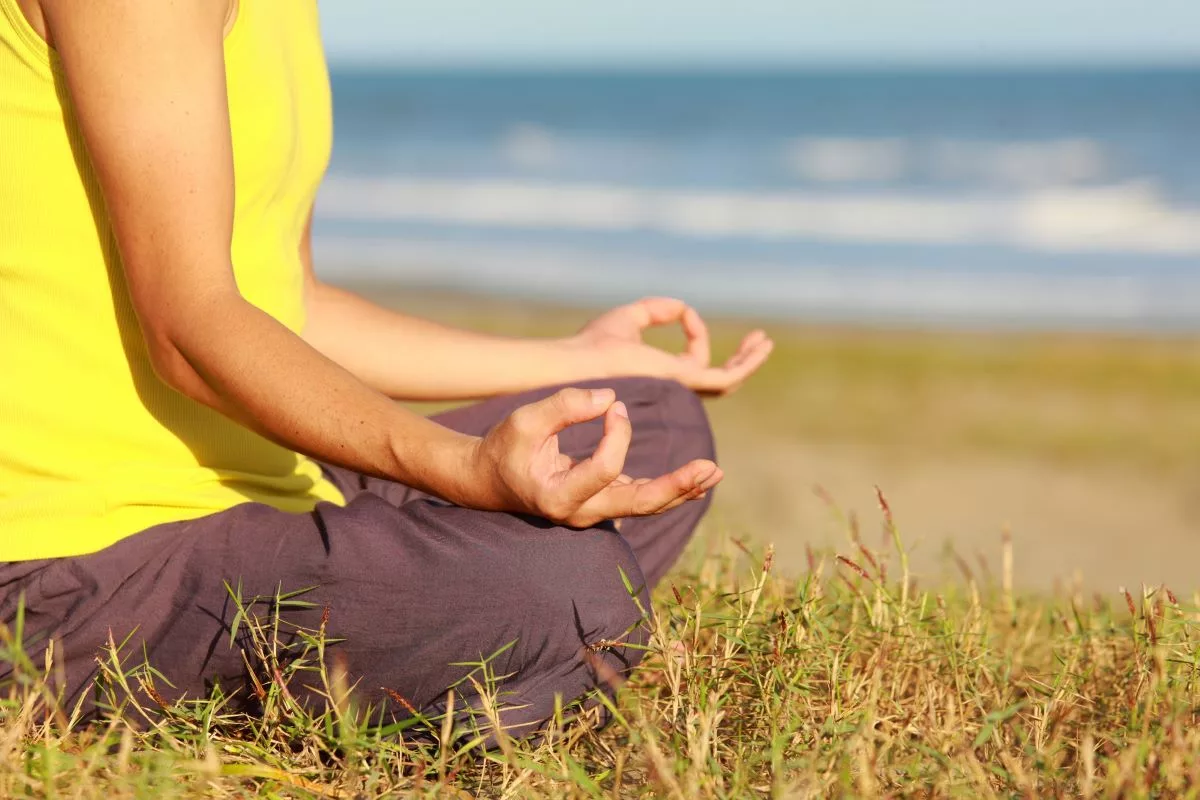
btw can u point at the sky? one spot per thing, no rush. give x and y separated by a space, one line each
668 33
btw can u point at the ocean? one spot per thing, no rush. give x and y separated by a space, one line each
1022 198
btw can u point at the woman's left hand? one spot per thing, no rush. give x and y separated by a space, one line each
616 339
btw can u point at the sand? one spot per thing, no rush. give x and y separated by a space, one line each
1098 526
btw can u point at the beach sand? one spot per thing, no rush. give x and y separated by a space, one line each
1084 446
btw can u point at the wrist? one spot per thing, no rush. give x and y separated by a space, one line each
466 476
471 475
586 360
441 462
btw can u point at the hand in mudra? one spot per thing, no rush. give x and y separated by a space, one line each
530 475
616 337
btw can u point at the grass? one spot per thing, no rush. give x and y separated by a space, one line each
1069 399
851 679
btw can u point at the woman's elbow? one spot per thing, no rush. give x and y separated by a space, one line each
177 343
170 365
174 348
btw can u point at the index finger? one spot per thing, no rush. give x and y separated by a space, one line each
544 418
698 348
655 311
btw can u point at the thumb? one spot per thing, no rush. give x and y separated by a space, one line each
562 409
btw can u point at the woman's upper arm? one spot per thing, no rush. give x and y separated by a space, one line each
147 81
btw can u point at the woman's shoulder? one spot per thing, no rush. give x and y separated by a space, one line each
35 13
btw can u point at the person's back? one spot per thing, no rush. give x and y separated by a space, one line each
93 446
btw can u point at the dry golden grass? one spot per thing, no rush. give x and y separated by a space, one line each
848 681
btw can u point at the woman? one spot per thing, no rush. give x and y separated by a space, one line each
185 407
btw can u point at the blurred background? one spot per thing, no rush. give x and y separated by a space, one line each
974 230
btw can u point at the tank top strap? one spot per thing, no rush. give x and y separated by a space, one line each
18 34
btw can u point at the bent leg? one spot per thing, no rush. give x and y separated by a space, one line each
411 591
670 428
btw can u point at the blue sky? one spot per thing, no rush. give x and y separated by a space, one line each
725 32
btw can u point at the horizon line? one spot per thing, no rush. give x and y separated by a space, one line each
764 65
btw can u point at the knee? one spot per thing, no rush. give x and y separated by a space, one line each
677 408
685 411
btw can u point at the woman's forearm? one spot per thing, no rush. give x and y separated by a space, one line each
414 359
253 369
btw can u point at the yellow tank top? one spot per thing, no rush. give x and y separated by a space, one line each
93 447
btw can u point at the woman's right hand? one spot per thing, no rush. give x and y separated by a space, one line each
520 463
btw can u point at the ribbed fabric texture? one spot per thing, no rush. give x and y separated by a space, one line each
93 447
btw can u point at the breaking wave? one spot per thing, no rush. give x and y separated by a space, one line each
1130 218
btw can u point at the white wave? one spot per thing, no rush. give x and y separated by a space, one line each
878 292
1020 164
1128 218
1007 164
537 148
1027 165
531 147
849 160
829 160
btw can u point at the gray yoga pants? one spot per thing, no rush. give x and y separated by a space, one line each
414 588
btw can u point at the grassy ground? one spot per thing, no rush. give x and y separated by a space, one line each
846 681
835 666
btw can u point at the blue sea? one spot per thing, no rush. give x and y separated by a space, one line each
1026 198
